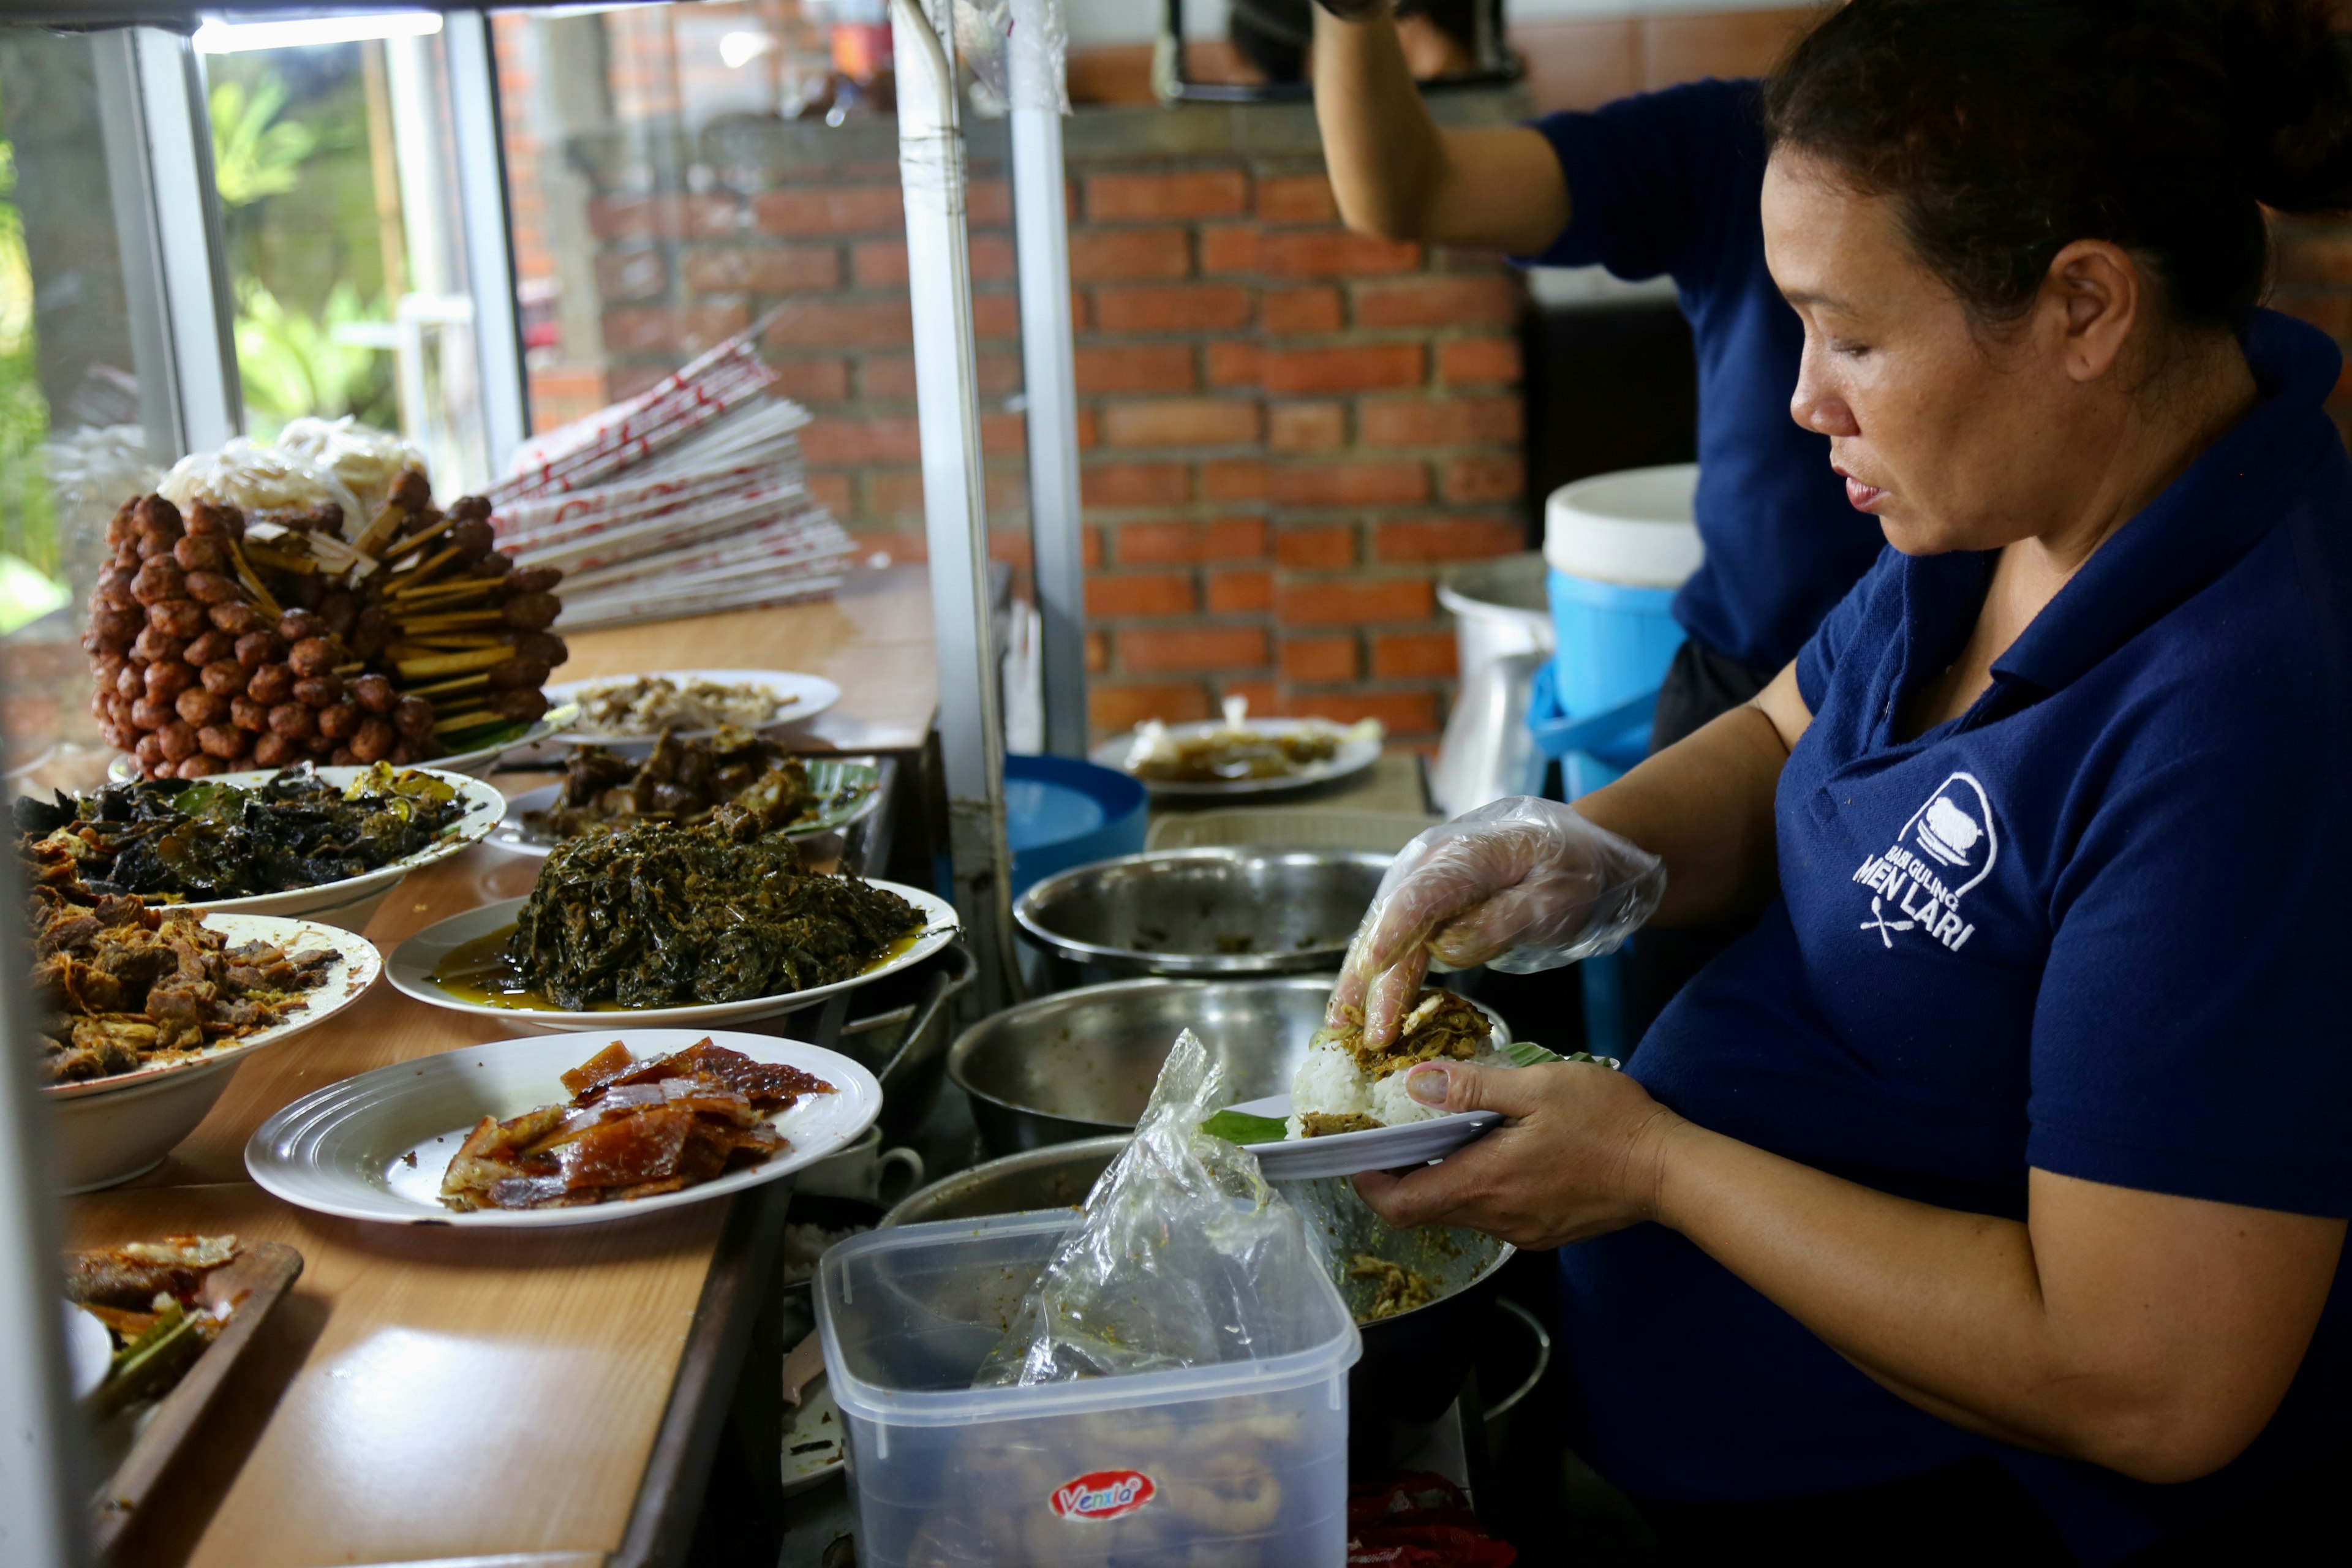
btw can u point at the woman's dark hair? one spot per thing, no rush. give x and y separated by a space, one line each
2005 130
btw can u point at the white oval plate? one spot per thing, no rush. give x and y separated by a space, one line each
827 775
349 974
1375 1149
1354 755
414 962
484 806
345 1149
799 697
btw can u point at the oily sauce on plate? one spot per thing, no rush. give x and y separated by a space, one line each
480 971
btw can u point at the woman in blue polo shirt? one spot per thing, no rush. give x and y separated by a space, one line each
1657 184
1988 1195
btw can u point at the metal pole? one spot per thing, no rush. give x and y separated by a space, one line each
192 249
955 524
42 1472
479 148
1057 524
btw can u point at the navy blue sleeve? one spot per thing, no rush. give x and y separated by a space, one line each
1818 659
1656 181
2191 1034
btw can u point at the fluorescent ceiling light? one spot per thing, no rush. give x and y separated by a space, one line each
219 38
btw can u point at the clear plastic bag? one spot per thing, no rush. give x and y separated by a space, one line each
1185 1257
1016 51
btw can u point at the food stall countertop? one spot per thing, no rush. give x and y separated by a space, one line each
426 1394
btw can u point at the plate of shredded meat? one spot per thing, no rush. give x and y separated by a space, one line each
562 1129
140 1014
686 781
692 704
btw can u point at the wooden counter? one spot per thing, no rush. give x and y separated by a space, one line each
429 1393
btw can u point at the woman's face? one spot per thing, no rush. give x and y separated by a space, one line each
1951 440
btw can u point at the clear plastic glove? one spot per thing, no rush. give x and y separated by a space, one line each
1519 885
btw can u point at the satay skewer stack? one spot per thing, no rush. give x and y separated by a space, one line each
218 645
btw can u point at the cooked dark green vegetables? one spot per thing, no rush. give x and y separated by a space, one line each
660 916
170 839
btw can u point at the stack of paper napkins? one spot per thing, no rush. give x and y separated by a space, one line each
687 499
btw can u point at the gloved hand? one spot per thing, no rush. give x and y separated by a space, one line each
1519 885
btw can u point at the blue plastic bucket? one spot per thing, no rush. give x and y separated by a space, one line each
1593 701
1061 812
1617 548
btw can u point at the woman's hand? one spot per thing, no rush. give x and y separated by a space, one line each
1581 1155
1525 883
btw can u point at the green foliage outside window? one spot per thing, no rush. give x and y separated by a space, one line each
297 202
27 516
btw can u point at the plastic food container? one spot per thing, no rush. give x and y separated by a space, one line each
1237 1464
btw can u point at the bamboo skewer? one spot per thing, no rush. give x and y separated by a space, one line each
448 642
453 663
419 538
261 596
381 527
440 689
470 620
411 581
435 595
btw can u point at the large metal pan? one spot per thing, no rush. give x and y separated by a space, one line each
1083 1063
1225 912
901 1036
1415 1362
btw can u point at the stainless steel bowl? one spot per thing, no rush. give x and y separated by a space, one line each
1205 911
1055 1178
1083 1063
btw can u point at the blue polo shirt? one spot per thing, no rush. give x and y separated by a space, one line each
2090 926
1670 183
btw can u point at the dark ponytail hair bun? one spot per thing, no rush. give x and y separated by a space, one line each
2006 129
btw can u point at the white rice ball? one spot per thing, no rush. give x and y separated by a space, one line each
1327 1082
1394 1107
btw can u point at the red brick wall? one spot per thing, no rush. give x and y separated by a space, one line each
1288 430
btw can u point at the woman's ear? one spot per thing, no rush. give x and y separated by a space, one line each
2092 294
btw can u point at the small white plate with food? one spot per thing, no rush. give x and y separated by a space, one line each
1347 1109
1238 756
125 1085
616 793
564 1130
692 704
463 963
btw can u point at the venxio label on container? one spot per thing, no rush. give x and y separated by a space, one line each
1103 1494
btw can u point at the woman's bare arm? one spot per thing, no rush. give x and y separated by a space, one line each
2149 1333
1399 175
2152 1334
1703 806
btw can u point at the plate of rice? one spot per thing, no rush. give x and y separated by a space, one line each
1348 1110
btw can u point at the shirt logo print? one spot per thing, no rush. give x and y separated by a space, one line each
1947 847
